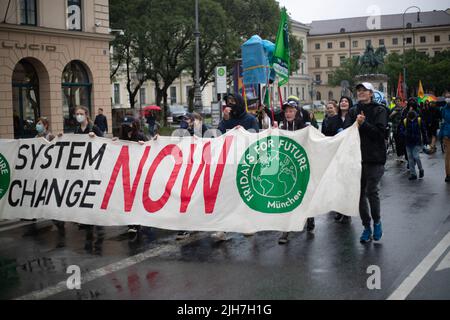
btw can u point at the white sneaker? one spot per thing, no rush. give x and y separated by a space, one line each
219 236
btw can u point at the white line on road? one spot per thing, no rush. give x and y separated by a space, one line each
408 285
445 263
114 267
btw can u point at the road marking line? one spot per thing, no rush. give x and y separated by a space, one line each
114 267
445 263
411 281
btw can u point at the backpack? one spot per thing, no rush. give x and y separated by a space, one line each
418 119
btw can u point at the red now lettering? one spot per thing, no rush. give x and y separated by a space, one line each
123 162
156 205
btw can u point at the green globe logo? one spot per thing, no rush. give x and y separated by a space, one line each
273 175
5 176
221 72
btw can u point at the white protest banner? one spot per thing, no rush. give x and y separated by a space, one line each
240 181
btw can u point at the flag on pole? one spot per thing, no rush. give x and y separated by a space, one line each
281 57
420 93
400 91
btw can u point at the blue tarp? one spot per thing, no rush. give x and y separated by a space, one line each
256 55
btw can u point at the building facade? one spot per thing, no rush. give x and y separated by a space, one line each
54 56
331 41
177 94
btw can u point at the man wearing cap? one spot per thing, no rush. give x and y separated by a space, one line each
372 121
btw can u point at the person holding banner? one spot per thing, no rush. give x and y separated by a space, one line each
372 121
131 131
85 125
292 122
235 115
43 129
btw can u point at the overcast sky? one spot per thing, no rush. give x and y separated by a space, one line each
306 11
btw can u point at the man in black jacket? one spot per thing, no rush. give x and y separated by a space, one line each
372 121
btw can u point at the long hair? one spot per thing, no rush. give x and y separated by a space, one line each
350 104
86 111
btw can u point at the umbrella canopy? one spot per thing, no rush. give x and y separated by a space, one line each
428 97
151 108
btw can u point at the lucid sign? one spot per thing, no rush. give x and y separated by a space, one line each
30 46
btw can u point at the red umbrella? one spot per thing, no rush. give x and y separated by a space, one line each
151 108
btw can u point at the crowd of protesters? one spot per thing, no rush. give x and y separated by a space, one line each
413 126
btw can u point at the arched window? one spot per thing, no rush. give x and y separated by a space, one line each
76 89
342 30
318 95
330 95
26 110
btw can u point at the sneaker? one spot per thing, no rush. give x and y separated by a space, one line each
219 236
284 238
132 229
412 177
421 174
366 235
182 235
345 219
338 216
310 225
447 179
377 231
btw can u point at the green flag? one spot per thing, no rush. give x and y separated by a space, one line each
281 57
267 98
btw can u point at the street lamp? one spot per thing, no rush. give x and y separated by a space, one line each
197 93
404 64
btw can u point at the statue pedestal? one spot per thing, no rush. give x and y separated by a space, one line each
379 81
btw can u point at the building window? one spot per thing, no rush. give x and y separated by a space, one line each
381 42
116 94
408 40
318 78
330 77
302 68
317 62
26 104
342 30
318 95
303 93
330 45
342 44
330 95
341 59
437 38
355 44
409 25
423 39
76 88
368 43
437 52
297 91
28 12
74 20
317 46
291 91
142 96
173 95
330 62
395 41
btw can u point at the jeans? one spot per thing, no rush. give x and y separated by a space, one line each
370 179
413 158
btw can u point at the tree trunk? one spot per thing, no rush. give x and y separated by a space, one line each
165 106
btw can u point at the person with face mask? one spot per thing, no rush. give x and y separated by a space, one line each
234 115
85 125
43 129
413 130
372 122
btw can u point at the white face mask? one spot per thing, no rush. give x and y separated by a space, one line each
80 118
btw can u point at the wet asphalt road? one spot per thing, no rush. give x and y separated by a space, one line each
331 264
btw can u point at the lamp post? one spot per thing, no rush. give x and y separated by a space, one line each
140 78
197 93
404 64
